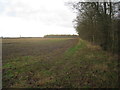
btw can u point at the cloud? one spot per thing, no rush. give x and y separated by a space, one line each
36 16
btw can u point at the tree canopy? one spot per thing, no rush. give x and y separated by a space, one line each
96 22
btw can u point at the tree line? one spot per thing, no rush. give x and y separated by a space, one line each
61 36
96 22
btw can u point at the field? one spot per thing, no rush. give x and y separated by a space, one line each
57 63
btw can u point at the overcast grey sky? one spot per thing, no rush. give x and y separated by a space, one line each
35 18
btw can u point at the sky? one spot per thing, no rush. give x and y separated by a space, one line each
35 18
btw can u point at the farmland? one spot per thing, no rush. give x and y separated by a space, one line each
57 63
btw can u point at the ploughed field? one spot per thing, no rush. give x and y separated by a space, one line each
57 63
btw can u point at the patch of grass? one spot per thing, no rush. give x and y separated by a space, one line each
81 44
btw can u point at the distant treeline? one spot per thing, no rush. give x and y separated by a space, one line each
61 36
